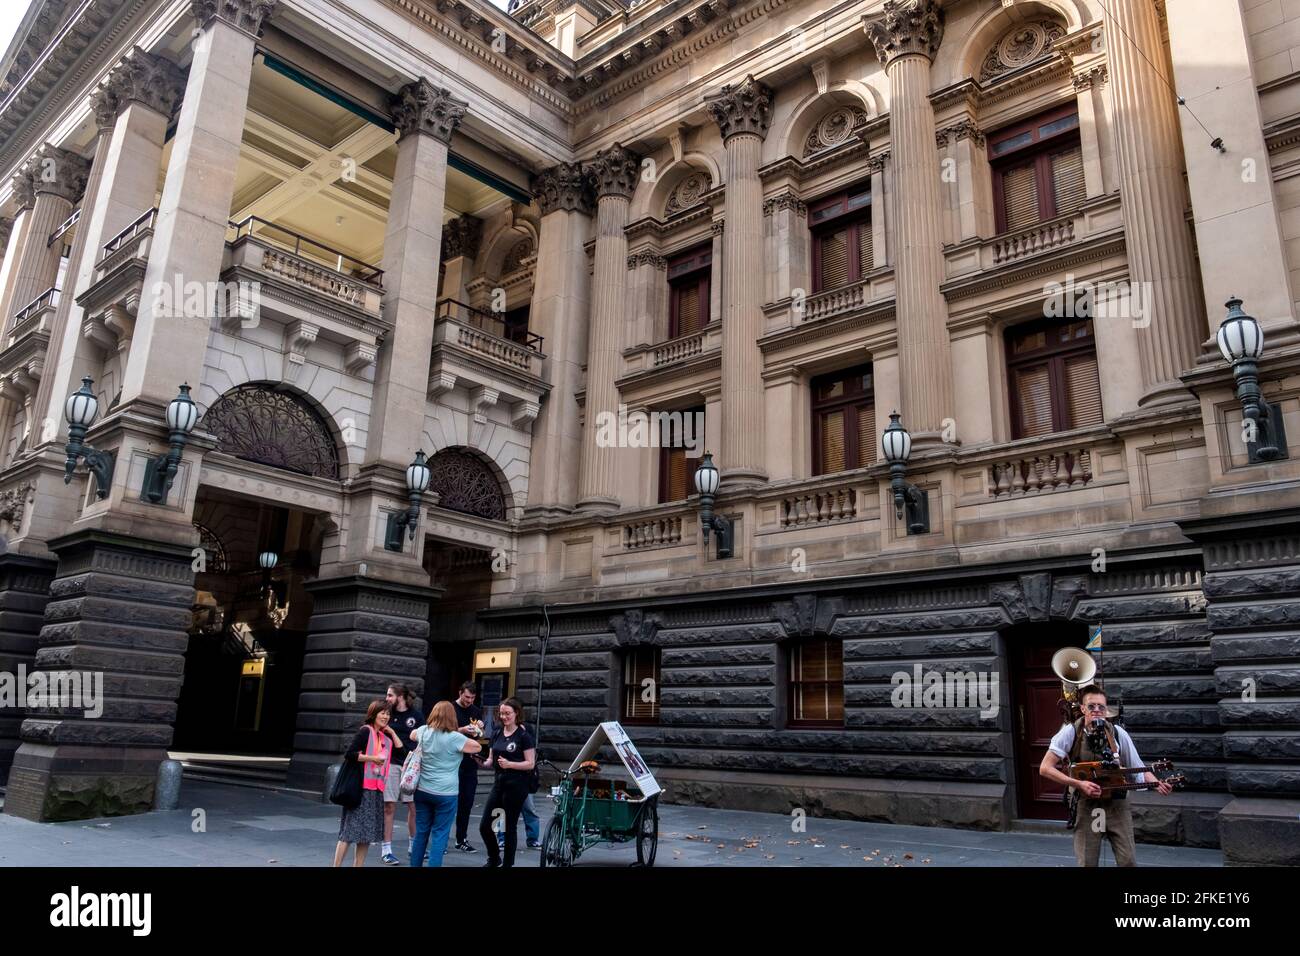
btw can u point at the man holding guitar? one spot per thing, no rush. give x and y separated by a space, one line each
1074 743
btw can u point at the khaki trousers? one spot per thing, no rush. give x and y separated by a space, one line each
1115 823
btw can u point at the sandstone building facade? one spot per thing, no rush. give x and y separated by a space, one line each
360 230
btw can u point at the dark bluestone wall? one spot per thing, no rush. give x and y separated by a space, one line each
721 739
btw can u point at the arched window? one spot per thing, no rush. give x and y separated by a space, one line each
466 484
272 427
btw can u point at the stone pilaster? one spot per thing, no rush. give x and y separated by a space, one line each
190 230
132 108
906 37
119 612
562 290
614 173
363 635
54 179
460 246
743 113
1156 238
425 117
24 591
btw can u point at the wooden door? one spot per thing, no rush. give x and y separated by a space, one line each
1036 692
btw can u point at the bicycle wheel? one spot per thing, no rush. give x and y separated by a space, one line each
647 836
557 846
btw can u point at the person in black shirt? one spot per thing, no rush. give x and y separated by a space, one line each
513 756
467 712
406 718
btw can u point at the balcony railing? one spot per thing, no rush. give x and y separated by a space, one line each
653 533
1037 238
489 324
832 302
311 252
143 224
819 507
64 228
1041 473
675 350
46 300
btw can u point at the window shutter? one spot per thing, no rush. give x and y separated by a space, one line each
638 666
832 442
677 468
1083 391
864 248
1067 179
1033 399
817 681
1019 198
866 436
688 307
834 259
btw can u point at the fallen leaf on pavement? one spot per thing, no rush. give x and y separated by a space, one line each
907 856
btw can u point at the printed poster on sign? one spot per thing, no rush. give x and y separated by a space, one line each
611 732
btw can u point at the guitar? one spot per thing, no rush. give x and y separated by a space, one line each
1114 779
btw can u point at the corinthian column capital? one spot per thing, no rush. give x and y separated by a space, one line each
614 172
52 170
563 188
421 107
247 15
141 77
743 108
461 237
905 26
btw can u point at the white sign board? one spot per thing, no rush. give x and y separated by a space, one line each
611 732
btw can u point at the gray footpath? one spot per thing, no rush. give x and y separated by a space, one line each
223 825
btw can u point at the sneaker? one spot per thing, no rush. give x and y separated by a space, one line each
390 859
464 847
534 844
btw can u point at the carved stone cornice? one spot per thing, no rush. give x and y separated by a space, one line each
563 188
745 107
247 15
646 258
461 237
905 27
55 171
421 107
141 77
964 129
614 172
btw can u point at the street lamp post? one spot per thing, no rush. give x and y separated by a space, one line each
707 481
160 473
1241 341
417 482
908 499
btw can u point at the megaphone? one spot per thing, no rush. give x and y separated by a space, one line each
1073 665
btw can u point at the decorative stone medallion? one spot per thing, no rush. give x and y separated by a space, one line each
1023 44
688 193
834 128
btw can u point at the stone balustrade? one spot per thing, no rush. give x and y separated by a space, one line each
1043 472
1037 238
819 507
652 533
676 350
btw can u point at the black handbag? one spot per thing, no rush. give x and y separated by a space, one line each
346 791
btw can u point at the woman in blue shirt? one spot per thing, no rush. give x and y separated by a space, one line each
437 792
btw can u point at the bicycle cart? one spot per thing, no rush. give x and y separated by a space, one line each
591 809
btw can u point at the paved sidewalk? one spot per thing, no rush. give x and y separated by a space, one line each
249 827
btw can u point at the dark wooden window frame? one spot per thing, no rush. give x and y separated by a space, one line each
694 267
1054 355
665 455
852 449
657 676
1038 152
856 218
791 648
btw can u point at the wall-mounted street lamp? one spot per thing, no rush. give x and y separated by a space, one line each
276 611
897 446
159 474
707 480
80 410
417 482
1241 341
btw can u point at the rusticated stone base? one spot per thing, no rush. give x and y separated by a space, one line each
1180 819
1257 831
24 591
364 634
119 609
51 784
973 806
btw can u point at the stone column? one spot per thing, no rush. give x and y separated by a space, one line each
190 232
425 117
561 293
743 114
460 243
132 108
906 37
117 617
785 217
647 299
24 591
614 172
363 635
49 185
1156 237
